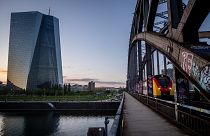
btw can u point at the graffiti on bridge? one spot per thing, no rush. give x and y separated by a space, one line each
187 59
205 78
201 75
195 71
182 86
149 85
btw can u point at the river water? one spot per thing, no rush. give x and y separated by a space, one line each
49 124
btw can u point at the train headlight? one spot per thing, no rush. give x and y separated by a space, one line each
159 88
170 88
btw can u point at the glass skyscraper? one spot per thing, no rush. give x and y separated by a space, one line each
34 51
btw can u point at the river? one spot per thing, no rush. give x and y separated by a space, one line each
49 123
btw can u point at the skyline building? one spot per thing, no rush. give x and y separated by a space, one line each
91 86
34 51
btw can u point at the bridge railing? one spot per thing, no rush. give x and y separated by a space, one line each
117 126
198 125
169 109
162 106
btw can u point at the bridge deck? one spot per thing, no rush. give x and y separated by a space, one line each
141 120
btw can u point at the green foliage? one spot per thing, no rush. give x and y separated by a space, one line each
56 93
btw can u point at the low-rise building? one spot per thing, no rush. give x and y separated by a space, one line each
79 88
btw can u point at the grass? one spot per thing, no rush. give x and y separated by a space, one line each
72 97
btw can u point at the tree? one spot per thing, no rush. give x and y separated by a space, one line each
69 87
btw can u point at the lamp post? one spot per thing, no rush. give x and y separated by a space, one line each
106 122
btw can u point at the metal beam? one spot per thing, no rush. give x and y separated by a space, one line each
177 54
160 22
175 12
205 34
151 15
193 16
149 69
164 29
164 63
162 1
158 65
162 14
140 61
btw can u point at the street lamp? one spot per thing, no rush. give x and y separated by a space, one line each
106 122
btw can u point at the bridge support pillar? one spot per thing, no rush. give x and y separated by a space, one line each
182 87
149 69
158 65
175 11
140 67
165 65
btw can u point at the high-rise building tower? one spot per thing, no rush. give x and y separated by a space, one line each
91 86
34 51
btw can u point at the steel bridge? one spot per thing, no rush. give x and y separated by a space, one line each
171 29
178 39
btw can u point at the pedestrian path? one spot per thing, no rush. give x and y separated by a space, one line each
142 121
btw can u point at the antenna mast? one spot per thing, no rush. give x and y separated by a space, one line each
49 12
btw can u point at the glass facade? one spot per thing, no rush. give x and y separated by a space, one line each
34 51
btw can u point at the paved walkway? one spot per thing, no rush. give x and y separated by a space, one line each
142 121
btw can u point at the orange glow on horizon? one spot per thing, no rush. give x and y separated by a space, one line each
3 76
96 84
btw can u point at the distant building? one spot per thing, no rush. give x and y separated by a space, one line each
85 87
79 88
76 88
91 86
34 51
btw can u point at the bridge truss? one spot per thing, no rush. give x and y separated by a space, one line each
174 32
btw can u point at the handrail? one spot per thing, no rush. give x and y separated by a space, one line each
117 124
192 107
194 123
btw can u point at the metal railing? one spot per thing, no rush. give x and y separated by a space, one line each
194 124
117 126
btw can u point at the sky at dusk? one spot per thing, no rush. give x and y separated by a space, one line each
94 37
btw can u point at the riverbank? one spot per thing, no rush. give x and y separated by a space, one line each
59 106
73 96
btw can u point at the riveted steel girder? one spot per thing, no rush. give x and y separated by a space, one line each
181 27
176 53
192 18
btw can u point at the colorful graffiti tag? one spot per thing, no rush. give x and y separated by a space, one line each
205 78
187 59
149 85
195 71
182 86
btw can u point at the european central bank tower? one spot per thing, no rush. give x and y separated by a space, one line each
34 51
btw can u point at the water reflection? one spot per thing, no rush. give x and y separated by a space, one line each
44 124
12 125
48 124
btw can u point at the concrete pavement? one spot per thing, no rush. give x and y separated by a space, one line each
142 121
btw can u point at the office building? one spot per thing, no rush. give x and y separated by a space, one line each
91 86
34 51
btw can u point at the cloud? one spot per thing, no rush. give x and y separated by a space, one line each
81 80
110 82
95 80
3 71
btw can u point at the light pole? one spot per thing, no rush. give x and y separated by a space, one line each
106 122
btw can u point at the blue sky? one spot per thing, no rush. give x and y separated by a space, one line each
94 37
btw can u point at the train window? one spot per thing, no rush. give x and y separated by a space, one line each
163 80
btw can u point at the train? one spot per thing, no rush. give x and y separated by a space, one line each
162 87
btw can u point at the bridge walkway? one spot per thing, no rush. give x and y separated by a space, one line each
140 120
